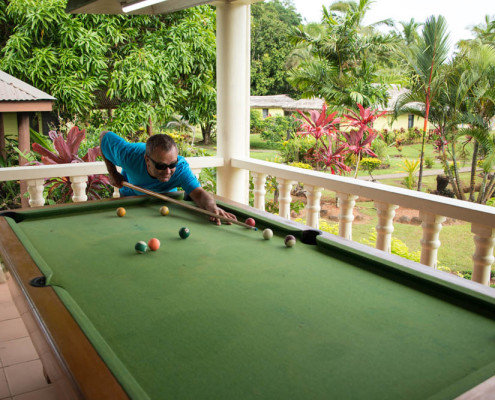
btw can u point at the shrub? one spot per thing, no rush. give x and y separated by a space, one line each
370 164
296 148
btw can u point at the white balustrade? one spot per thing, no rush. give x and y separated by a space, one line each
432 225
284 197
79 184
259 191
35 189
313 196
385 226
346 215
484 239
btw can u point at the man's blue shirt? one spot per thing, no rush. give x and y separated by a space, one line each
130 156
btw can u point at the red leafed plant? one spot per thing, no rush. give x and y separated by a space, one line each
359 141
327 150
66 152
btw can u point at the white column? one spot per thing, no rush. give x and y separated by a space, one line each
196 172
284 197
385 226
233 63
346 216
79 188
259 191
484 239
35 189
313 196
432 225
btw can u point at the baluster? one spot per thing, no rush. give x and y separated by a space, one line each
484 239
284 198
79 188
116 192
35 189
259 191
385 226
432 225
313 196
346 216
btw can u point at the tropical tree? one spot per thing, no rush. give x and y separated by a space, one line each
271 25
410 31
148 66
341 57
424 61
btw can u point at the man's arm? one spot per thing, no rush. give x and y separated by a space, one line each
114 176
205 200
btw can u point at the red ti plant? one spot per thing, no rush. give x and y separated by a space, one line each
323 128
359 141
66 152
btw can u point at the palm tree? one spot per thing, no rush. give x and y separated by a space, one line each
338 60
425 59
410 31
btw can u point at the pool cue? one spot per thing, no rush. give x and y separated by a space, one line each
182 204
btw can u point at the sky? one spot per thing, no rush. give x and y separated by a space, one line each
460 14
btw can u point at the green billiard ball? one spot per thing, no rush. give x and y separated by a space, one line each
141 247
184 233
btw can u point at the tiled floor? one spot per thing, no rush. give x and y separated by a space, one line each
21 372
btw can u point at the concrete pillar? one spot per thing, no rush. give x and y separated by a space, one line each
233 63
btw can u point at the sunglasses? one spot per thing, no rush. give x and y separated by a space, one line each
163 166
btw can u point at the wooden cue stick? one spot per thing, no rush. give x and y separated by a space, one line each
182 204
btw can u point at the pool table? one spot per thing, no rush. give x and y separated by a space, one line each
225 314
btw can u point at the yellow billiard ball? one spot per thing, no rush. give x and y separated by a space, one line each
121 211
164 210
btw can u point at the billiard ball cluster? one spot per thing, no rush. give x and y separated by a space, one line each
184 232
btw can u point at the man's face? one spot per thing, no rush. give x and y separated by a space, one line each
161 164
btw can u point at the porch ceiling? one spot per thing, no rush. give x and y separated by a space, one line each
115 6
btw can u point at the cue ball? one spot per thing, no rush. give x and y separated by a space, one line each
141 247
250 222
184 233
154 244
267 234
164 210
121 211
290 241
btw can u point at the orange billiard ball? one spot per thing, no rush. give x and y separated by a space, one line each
154 244
121 211
164 210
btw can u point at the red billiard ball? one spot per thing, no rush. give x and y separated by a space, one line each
154 244
250 222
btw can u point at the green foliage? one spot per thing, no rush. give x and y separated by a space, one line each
270 46
398 247
296 148
429 162
370 164
410 167
338 59
277 128
149 66
300 165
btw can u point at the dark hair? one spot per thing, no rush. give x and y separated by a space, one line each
163 142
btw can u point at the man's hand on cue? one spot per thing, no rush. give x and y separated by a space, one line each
221 213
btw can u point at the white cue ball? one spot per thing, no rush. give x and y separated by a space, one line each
267 234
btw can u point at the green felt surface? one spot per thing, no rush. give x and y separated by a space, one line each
225 314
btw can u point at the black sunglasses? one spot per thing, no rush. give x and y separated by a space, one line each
163 166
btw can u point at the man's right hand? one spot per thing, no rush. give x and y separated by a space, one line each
116 179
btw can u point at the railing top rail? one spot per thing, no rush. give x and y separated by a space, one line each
88 168
439 205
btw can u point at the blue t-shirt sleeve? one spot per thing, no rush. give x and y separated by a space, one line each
187 179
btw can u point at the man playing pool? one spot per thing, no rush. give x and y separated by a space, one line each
156 166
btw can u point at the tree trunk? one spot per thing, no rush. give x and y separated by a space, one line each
473 171
206 133
420 177
456 173
149 128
